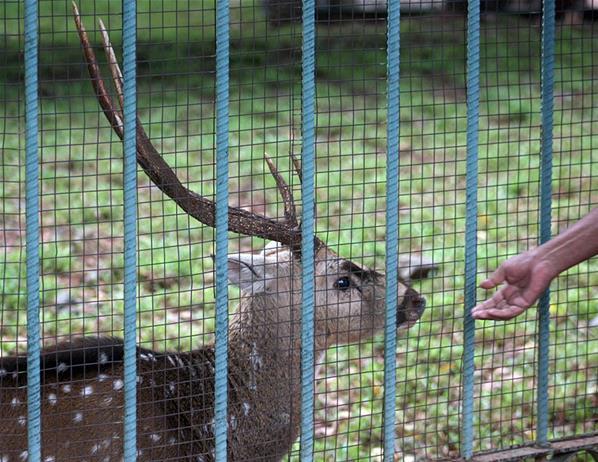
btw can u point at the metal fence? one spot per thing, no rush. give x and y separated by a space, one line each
476 175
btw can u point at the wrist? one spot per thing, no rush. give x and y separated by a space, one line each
572 246
550 260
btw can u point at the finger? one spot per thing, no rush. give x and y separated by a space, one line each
500 301
495 302
498 308
495 279
500 314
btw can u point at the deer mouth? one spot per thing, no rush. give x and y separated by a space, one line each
411 309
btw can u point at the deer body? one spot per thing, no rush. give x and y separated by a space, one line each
82 381
83 388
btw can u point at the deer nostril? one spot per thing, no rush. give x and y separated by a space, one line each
418 302
411 308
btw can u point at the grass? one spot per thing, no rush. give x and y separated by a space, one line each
82 204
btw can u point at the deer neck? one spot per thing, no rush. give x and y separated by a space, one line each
265 354
265 335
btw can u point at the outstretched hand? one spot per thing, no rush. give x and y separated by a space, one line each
525 277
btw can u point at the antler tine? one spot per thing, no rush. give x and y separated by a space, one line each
290 212
102 94
117 76
297 166
160 173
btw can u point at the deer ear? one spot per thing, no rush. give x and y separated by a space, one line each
247 271
414 267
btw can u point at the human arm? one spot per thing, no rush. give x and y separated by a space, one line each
527 275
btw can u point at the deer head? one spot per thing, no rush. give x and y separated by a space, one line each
349 299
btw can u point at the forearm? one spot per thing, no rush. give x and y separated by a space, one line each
574 245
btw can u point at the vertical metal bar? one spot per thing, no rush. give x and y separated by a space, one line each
548 38
32 232
392 226
130 225
473 112
308 127
222 113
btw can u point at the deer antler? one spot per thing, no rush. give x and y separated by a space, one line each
241 221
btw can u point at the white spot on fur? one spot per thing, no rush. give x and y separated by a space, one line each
103 358
172 387
94 449
87 391
256 359
4 458
62 367
139 379
172 441
102 377
24 455
107 401
66 388
118 384
15 402
246 408
78 417
52 399
148 357
2 372
22 420
155 437
50 459
256 364
232 422
171 361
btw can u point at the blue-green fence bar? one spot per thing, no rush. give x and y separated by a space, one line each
471 226
32 232
547 71
130 228
308 139
222 143
392 226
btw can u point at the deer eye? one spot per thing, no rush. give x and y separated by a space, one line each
342 283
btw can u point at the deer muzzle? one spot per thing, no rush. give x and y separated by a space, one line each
411 309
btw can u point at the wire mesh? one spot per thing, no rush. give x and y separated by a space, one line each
82 228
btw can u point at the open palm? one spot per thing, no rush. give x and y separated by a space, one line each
525 279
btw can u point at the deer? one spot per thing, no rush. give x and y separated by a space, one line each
82 387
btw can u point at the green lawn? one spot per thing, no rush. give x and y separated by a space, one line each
82 203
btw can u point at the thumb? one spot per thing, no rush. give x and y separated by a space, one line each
497 278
